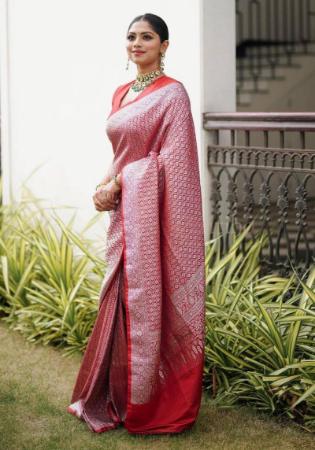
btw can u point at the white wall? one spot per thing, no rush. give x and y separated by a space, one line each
65 58
60 62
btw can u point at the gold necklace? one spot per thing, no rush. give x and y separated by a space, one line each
144 80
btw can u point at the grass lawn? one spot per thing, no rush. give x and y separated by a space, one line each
35 387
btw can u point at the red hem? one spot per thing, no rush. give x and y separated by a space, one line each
98 430
148 433
105 428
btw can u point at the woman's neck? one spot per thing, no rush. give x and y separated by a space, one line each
147 69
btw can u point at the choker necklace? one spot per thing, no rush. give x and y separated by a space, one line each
144 80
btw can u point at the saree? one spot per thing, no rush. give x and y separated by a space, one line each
143 364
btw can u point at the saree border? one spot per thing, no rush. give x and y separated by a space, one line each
166 80
126 298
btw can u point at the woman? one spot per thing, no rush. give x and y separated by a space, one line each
143 364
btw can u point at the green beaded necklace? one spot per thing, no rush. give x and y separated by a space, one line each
144 80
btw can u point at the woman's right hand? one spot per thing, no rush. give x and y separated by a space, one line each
105 199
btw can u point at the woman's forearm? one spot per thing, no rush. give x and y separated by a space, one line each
110 177
109 174
106 179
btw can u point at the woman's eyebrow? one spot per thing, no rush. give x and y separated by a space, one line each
142 32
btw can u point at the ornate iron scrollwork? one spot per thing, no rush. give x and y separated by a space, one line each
273 187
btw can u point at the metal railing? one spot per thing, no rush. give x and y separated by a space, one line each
262 168
269 34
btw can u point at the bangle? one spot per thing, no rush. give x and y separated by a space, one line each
99 184
116 181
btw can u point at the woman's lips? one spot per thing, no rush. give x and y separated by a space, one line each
138 53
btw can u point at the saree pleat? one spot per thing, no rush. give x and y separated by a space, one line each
100 394
143 364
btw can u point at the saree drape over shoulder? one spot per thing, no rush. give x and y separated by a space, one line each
143 364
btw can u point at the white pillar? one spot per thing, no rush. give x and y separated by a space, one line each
218 71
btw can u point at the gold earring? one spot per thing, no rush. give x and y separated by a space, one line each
127 66
162 64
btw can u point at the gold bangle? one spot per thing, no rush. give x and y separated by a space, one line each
99 184
115 180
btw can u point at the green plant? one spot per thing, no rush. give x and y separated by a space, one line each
260 334
259 329
50 278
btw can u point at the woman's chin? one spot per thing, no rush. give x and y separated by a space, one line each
139 60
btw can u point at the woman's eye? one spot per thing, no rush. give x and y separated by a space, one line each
131 37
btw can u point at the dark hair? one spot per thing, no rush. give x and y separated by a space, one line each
156 22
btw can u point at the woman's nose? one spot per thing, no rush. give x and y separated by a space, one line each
137 41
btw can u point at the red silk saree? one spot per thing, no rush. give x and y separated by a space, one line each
143 364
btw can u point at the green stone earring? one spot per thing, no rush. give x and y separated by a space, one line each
162 65
127 66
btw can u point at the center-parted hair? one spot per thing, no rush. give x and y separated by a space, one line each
156 22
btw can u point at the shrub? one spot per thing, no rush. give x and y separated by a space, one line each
259 329
259 334
50 278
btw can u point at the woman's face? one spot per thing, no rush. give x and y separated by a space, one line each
144 46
